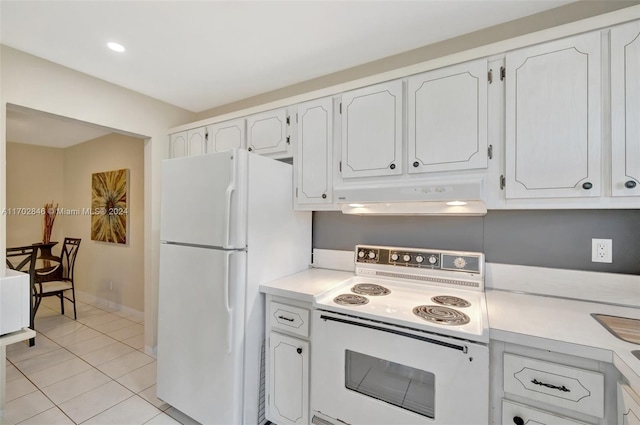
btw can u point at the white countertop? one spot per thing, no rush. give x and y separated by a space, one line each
549 323
305 285
562 325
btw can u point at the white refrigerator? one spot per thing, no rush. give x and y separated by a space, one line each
227 225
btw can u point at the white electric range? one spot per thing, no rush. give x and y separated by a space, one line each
403 341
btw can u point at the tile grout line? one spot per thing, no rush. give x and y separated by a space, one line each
111 379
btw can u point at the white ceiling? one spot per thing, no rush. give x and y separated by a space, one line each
201 54
36 128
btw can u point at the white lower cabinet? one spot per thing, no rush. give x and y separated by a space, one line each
559 385
628 406
520 414
287 389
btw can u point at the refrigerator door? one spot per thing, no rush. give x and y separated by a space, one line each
200 332
203 200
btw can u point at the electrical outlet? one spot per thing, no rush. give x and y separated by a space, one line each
601 251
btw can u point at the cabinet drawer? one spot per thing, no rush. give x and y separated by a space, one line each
516 413
289 318
564 386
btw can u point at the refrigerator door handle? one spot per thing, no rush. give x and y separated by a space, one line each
230 189
227 303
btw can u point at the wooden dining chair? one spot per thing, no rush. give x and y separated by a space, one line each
23 258
57 279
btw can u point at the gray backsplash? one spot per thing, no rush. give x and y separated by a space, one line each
545 238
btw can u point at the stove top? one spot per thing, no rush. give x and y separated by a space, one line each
439 292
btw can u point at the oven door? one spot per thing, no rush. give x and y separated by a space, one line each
365 372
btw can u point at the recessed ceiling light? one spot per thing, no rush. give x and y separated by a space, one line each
116 47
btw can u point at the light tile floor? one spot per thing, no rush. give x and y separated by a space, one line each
90 371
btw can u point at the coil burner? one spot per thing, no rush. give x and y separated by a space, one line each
350 299
441 315
450 301
370 289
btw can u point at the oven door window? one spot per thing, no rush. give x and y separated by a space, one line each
403 386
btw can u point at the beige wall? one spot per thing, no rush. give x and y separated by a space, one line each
34 177
38 84
110 271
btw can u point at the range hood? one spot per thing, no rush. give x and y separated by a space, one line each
447 198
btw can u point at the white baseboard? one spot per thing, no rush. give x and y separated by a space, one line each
109 305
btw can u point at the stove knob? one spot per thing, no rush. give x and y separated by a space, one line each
361 254
394 257
372 255
406 257
419 258
433 259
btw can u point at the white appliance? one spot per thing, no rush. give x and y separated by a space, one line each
405 341
227 225
15 301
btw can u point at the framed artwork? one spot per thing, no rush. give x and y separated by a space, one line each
109 206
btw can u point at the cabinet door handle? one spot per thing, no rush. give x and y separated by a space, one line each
555 387
587 185
630 184
518 420
299 350
416 164
392 166
288 319
324 196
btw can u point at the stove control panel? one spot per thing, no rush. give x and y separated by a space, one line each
420 258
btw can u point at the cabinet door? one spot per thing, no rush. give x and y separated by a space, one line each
178 145
516 413
448 118
553 119
314 152
628 406
226 135
268 133
372 131
625 109
196 141
288 380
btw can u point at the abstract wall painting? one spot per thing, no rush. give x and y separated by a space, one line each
109 206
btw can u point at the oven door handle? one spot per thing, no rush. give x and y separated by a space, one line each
462 348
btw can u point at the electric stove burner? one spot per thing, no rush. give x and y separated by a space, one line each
370 289
441 315
450 301
350 299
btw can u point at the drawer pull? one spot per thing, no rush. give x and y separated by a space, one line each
555 387
285 318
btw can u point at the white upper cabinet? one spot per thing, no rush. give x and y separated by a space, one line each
268 133
178 145
372 131
625 110
197 141
447 118
188 143
553 119
226 135
314 152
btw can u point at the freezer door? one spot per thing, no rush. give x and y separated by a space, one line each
200 332
203 200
